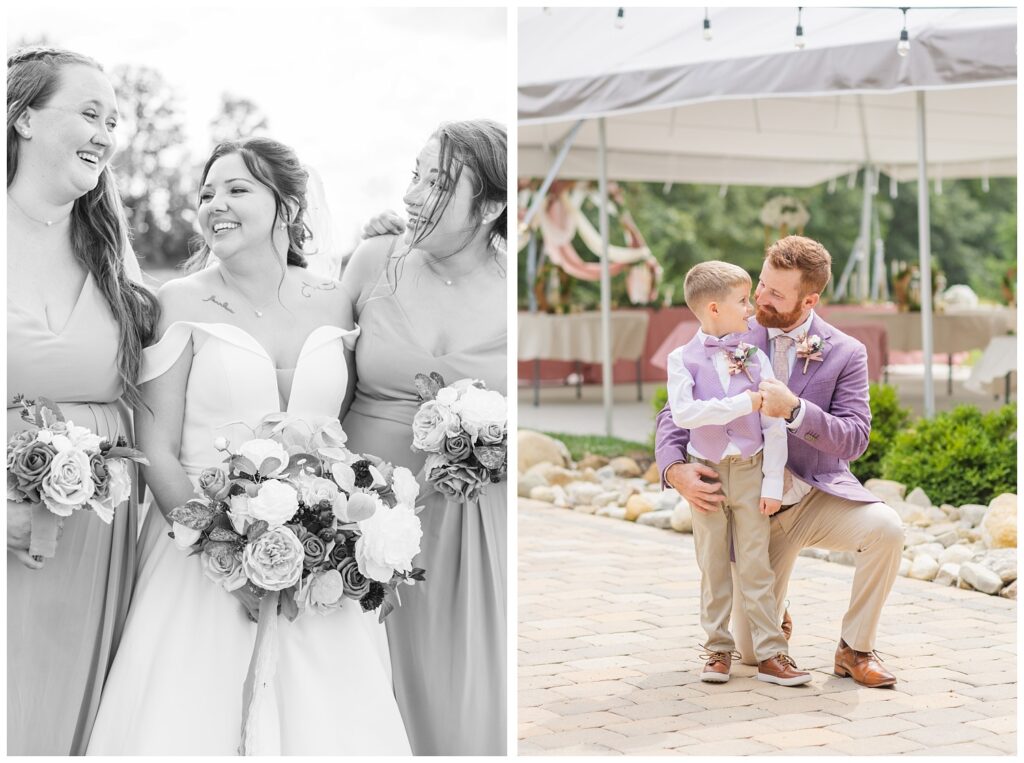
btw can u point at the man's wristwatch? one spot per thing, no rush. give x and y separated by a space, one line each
792 414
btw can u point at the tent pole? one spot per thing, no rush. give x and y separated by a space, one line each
864 238
531 271
563 152
606 280
924 245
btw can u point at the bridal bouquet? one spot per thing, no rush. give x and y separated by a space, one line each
307 523
294 511
463 427
64 468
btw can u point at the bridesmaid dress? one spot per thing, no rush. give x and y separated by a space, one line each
65 620
448 638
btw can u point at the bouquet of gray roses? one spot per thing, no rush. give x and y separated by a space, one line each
463 428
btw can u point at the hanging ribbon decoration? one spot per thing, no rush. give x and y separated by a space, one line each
562 218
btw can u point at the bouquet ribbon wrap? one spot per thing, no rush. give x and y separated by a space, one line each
45 531
261 724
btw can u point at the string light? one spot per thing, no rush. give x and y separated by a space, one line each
984 184
903 46
620 18
893 188
800 41
707 26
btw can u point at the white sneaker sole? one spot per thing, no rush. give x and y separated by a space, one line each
799 680
714 678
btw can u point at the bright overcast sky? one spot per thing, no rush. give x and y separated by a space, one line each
356 92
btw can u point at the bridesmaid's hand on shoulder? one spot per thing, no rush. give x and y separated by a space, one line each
19 533
387 223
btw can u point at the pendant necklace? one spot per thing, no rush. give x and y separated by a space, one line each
47 223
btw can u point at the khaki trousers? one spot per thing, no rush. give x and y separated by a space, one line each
873 531
750 531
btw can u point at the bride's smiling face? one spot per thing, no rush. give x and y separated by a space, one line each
236 211
451 228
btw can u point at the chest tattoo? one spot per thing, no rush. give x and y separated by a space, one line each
224 304
308 288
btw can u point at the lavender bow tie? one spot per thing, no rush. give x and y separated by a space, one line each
713 345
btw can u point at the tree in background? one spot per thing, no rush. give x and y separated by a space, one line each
238 118
153 167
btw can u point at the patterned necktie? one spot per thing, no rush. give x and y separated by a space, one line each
780 357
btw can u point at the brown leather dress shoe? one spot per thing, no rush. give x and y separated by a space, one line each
787 625
865 668
781 670
716 667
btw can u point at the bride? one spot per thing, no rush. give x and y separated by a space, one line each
251 334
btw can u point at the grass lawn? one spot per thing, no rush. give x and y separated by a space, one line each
610 447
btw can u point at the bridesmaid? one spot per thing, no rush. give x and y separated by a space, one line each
436 302
76 325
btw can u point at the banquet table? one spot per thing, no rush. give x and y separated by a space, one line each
577 337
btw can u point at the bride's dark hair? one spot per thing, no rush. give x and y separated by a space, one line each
277 167
99 227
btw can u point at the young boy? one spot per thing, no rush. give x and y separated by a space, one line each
712 391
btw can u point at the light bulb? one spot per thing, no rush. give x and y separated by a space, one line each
707 29
903 46
800 41
620 18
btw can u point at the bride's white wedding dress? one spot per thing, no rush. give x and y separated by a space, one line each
176 684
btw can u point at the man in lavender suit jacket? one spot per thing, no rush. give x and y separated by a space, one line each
825 405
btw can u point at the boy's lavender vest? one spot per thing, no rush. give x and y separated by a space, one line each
744 432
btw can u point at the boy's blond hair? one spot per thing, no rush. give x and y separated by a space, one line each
711 281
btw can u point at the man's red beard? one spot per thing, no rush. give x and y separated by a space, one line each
771 318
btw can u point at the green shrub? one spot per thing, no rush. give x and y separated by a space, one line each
888 419
958 457
659 399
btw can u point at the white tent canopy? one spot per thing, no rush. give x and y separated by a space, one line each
654 101
750 108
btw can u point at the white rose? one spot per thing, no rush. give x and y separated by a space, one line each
44 436
480 409
314 489
220 443
406 488
447 396
68 485
275 503
389 541
259 451
83 438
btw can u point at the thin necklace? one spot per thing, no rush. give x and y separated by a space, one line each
47 223
259 313
449 281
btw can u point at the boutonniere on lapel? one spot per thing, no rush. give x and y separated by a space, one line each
808 348
739 359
